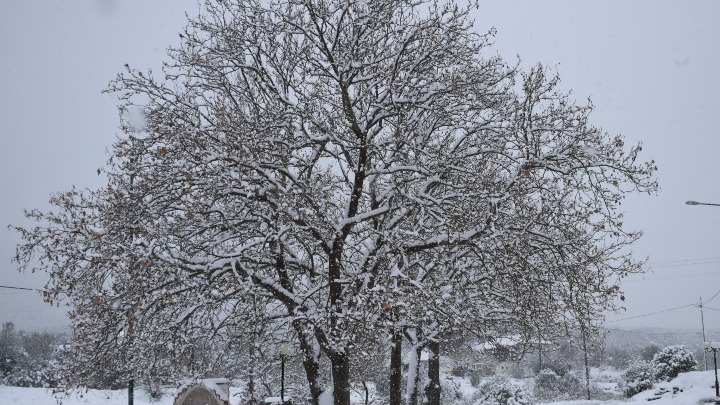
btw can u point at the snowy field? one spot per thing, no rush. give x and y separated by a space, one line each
688 389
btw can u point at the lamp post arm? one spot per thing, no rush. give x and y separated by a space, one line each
700 203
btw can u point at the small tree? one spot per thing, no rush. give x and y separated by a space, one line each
10 349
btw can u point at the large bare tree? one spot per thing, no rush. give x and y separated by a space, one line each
354 169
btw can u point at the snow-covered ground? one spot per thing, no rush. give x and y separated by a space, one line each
688 389
691 388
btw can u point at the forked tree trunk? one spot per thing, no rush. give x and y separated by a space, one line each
432 390
395 384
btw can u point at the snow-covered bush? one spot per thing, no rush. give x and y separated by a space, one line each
502 392
555 366
551 386
638 377
665 365
45 374
482 369
450 392
547 384
29 359
671 361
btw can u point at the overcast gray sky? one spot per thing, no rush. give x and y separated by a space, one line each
650 66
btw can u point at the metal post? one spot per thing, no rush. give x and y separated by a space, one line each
131 391
702 320
717 388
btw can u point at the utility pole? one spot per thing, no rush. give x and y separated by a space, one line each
702 321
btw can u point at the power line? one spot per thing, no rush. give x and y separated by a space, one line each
660 265
681 261
651 332
701 304
654 313
683 276
11 287
683 264
713 297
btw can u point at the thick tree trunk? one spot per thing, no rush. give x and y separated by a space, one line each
310 363
341 379
413 375
339 360
396 368
432 390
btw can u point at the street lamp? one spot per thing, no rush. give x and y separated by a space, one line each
702 317
714 346
700 203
